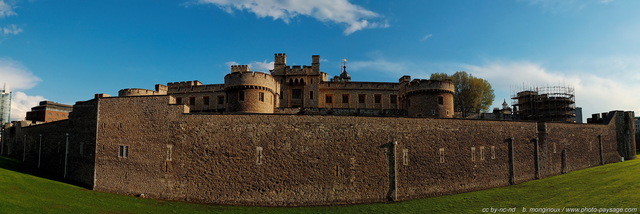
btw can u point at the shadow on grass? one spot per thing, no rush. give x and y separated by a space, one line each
21 167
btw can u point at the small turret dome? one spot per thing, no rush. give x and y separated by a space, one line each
345 75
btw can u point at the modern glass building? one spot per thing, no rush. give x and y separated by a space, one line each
5 104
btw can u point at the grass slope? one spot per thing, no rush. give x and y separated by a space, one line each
610 186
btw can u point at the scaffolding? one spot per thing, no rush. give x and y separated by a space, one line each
548 104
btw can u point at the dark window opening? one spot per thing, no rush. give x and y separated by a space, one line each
310 94
329 99
178 101
205 100
192 100
296 93
241 96
440 100
220 100
377 98
345 98
261 96
361 98
394 99
124 152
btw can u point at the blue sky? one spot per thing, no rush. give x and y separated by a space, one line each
66 51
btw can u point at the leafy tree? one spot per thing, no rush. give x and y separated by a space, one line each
472 94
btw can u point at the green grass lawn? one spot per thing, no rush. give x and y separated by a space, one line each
610 186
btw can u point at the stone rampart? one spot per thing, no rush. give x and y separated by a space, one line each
64 148
295 160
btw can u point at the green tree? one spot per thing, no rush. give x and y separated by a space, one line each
472 95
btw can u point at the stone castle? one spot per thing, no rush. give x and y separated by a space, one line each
307 89
321 146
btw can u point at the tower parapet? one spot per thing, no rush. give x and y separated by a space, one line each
428 98
128 92
239 68
184 84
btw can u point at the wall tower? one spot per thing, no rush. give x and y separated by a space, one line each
427 98
250 92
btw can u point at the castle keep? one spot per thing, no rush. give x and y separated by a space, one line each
300 89
175 143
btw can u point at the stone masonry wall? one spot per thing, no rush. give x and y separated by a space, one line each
290 160
45 145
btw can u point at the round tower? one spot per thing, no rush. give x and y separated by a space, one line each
428 98
250 92
128 92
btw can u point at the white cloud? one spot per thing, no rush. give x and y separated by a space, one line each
556 6
11 30
21 103
6 9
342 12
263 66
380 64
18 77
424 38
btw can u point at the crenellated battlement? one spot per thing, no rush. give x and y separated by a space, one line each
360 85
127 92
239 68
184 84
424 85
236 79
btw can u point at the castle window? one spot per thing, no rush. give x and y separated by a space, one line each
441 151
311 80
296 93
345 98
261 96
205 100
310 95
258 155
123 152
192 101
433 112
220 100
473 153
493 152
482 153
440 100
377 98
169 151
361 98
178 100
241 95
405 157
394 99
329 98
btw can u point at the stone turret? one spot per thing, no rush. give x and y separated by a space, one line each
250 92
428 98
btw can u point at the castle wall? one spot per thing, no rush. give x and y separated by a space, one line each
387 94
290 160
45 145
